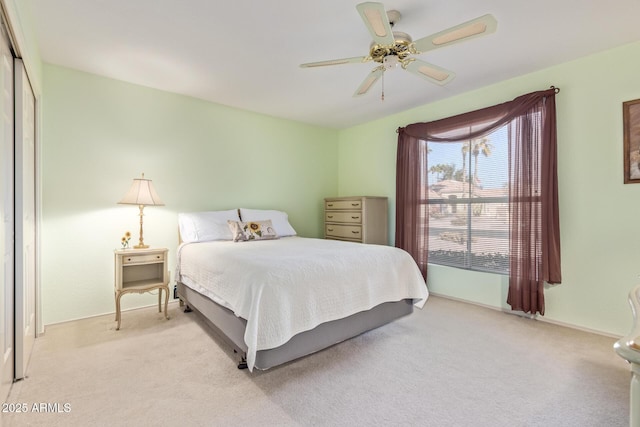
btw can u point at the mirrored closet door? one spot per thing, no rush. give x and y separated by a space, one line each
25 219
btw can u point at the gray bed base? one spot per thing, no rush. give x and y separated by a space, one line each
231 328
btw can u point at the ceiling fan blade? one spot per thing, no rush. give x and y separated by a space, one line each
377 22
369 81
431 72
356 59
481 26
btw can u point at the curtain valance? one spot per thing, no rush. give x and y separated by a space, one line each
483 121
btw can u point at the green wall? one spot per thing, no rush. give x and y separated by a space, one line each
599 214
98 134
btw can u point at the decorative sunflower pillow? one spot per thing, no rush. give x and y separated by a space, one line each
252 230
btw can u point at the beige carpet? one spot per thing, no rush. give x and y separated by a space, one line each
450 364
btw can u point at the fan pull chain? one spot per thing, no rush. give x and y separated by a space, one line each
382 95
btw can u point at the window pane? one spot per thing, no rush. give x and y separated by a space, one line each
468 203
490 237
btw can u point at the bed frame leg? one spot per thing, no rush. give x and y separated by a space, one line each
242 364
187 309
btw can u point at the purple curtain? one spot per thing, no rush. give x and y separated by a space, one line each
533 189
412 222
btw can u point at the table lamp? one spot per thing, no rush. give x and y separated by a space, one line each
142 194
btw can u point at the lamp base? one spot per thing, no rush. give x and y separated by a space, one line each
140 246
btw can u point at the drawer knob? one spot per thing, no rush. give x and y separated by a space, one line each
158 256
329 216
355 204
330 204
355 217
329 229
128 259
355 232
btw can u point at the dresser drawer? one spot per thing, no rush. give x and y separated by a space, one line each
141 259
348 217
353 232
343 204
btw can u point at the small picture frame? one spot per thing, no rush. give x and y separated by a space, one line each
631 127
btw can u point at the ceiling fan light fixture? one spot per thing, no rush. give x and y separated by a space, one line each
390 62
461 33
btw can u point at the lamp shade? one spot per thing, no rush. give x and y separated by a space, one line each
141 193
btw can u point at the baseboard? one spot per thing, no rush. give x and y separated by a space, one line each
529 316
110 313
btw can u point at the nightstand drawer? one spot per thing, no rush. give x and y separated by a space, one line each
349 217
343 204
140 259
344 231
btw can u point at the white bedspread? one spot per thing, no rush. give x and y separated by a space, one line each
290 285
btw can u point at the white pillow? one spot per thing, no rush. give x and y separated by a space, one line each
279 219
206 226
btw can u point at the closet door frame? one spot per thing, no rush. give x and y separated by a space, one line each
19 45
7 223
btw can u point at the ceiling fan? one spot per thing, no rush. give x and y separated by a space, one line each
393 48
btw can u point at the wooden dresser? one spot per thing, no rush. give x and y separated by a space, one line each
356 219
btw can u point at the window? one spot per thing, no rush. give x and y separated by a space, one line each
464 197
468 195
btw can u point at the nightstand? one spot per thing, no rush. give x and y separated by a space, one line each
139 271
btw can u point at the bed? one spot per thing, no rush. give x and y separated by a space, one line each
274 296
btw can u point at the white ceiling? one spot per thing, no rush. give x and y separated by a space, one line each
246 54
